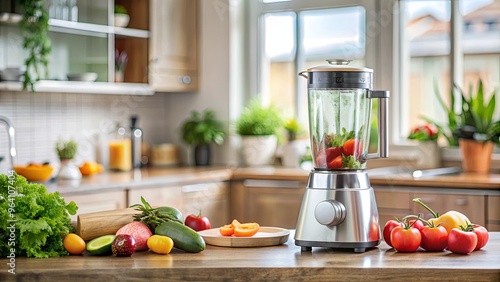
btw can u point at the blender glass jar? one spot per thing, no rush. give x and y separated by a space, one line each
339 121
340 108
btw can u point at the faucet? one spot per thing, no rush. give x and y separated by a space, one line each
11 131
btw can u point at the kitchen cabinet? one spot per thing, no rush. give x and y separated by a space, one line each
267 202
473 206
173 64
96 202
493 223
397 201
90 45
393 204
211 199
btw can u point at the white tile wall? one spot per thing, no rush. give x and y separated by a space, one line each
41 118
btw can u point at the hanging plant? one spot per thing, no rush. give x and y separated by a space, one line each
34 29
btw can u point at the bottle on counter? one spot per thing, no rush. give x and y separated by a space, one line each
136 140
120 150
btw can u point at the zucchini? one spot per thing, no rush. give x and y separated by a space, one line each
184 237
170 212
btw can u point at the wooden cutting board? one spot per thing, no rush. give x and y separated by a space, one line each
93 225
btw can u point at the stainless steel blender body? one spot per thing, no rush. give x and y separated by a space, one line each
339 208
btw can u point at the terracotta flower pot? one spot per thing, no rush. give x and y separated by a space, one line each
476 156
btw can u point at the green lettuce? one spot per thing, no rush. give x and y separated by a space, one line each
33 221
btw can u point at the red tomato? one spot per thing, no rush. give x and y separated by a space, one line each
389 225
417 224
461 242
405 240
434 239
482 236
332 153
335 163
197 222
352 147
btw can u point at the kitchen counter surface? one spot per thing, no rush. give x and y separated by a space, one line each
147 177
284 262
461 180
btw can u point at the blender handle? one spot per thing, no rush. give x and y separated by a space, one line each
303 75
383 124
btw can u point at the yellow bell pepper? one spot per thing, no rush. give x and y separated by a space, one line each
449 220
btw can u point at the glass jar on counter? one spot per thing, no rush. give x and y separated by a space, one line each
120 151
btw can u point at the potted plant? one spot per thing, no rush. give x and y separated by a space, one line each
121 16
478 131
66 151
426 137
258 126
34 28
294 149
200 130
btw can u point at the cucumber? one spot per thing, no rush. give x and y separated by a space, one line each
184 237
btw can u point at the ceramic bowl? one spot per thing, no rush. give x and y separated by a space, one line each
35 172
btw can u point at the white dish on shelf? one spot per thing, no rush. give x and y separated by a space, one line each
86 76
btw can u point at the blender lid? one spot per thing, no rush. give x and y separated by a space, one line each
339 65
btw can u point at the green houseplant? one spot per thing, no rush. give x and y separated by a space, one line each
474 128
478 131
66 151
121 16
34 30
200 130
258 126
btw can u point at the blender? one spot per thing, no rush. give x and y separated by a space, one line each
338 207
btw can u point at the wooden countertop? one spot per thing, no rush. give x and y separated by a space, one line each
284 262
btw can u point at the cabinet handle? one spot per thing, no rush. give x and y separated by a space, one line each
185 79
273 184
461 202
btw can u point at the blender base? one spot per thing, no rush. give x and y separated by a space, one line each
338 211
306 246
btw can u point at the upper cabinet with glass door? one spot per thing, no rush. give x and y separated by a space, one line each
90 42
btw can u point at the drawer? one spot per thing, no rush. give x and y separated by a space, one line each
393 200
98 202
473 206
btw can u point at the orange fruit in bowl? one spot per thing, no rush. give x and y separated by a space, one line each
74 244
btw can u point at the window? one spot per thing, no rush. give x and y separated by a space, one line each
292 41
412 45
428 54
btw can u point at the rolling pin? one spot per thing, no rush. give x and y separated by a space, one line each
93 225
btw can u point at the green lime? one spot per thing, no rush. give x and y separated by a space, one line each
101 245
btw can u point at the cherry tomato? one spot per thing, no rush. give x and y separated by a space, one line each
246 229
405 239
335 163
332 153
352 147
482 236
461 242
415 223
434 239
389 225
197 222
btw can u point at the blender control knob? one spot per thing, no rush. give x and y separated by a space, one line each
329 212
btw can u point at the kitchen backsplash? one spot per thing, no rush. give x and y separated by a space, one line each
40 119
